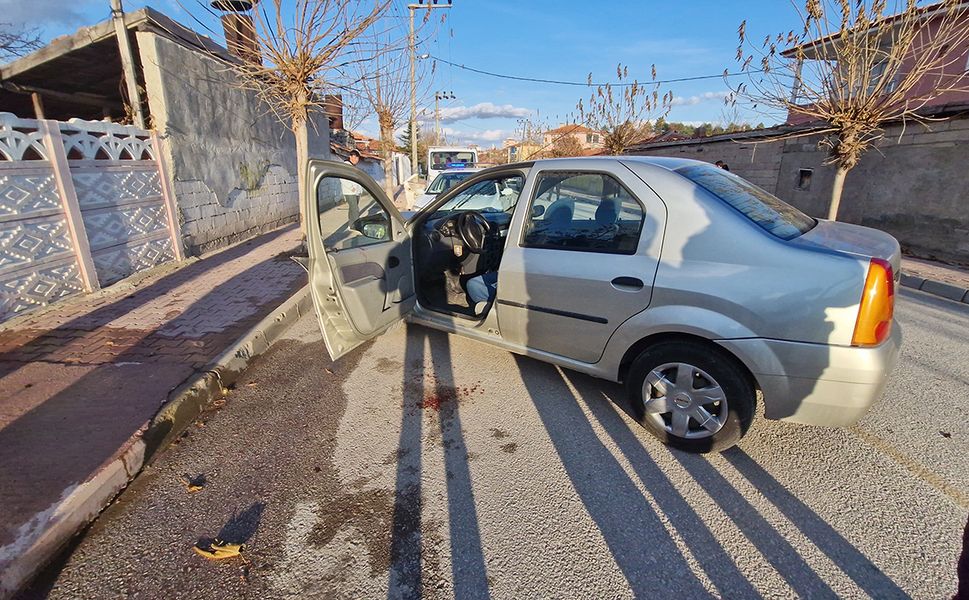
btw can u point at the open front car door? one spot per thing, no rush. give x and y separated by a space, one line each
360 264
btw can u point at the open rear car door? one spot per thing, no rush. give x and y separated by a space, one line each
360 263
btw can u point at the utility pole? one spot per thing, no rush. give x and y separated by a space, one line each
437 113
413 82
127 62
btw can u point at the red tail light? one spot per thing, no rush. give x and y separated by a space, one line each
874 322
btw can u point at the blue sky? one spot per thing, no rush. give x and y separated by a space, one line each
552 39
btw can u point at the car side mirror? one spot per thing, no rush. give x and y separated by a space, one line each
375 227
537 211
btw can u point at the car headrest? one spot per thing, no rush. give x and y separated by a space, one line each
607 213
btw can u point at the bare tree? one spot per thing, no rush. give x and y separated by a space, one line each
385 89
624 109
356 110
493 156
384 80
566 145
17 41
855 65
302 48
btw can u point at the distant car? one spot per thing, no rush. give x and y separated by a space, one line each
442 183
689 284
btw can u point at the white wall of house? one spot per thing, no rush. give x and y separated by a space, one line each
233 163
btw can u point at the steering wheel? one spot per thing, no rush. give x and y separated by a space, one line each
473 229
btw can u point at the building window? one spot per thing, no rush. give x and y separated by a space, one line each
804 179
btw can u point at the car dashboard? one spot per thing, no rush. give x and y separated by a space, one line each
440 246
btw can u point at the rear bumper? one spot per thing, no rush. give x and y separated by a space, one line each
818 384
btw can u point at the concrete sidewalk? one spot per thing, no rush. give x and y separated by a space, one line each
81 380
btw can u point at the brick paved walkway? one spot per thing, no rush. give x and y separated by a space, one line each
926 269
78 380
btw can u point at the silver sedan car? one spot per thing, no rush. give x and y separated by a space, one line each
699 291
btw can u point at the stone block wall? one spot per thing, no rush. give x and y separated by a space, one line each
208 224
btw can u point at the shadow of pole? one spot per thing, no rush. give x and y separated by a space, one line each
467 557
637 539
405 543
848 558
773 547
469 576
708 551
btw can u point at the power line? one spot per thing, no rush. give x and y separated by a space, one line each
581 83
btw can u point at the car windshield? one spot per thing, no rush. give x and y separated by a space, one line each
763 208
499 194
446 181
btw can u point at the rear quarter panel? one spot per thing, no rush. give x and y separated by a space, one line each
720 276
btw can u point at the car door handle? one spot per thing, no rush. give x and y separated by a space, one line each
627 284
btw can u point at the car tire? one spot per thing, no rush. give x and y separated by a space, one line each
712 380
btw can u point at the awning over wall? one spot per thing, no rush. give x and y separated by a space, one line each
79 75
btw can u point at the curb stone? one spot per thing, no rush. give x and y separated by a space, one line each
936 288
83 503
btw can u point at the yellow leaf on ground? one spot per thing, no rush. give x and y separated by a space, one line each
218 550
190 485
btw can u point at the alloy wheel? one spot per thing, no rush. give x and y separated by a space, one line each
684 400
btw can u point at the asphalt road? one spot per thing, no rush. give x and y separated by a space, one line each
429 465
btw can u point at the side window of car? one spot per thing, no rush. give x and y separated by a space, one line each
349 216
590 212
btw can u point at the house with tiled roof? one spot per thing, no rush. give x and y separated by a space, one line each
586 137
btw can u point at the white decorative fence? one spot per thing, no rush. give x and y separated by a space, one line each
82 205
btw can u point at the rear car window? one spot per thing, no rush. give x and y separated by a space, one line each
763 208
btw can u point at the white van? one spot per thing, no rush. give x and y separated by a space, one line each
441 158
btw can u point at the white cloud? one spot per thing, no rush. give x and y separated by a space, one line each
487 136
699 98
482 110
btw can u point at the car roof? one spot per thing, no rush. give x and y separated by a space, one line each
462 170
669 163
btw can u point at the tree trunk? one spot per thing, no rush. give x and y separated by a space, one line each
389 176
302 157
836 189
387 144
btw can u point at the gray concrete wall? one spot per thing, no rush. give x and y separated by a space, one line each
914 186
233 165
755 162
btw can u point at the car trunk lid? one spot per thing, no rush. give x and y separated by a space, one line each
863 242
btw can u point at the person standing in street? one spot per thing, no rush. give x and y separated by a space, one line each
352 190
